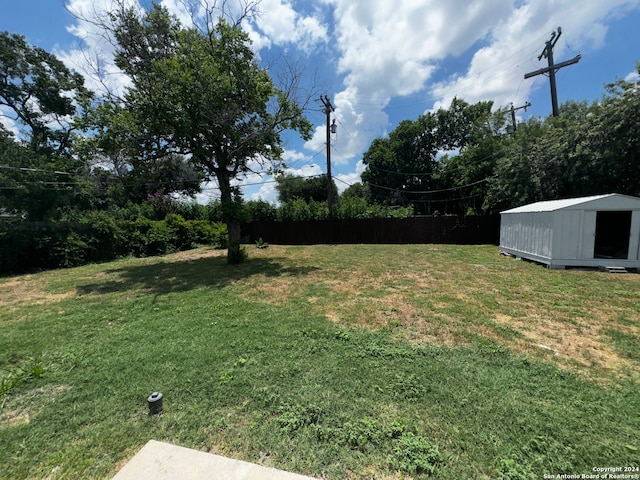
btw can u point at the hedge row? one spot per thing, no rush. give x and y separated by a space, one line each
98 237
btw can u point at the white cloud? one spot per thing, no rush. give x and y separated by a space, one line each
292 156
633 77
266 193
258 41
345 180
357 123
277 23
93 57
517 41
209 192
280 24
179 9
391 49
305 170
8 122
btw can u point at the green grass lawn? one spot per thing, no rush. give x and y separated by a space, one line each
355 361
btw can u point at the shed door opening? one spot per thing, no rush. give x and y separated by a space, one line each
612 235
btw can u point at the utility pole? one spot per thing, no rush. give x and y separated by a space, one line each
513 113
328 108
547 52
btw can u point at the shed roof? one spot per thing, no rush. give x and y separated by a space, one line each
553 205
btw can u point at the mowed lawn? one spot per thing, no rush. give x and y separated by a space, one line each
354 361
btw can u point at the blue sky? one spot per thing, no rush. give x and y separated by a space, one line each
384 61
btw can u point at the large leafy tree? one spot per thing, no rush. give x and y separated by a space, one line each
404 168
400 166
465 177
42 98
201 93
518 173
40 94
616 138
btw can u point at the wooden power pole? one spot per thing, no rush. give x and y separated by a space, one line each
513 114
547 52
328 108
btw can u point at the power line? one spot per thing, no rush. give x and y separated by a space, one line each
404 174
30 169
342 181
341 153
407 174
427 192
44 185
445 200
264 183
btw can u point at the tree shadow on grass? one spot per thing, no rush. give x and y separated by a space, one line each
167 277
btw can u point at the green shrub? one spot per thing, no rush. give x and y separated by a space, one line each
189 234
70 251
15 249
347 208
210 233
105 240
259 210
294 417
20 374
161 239
183 234
300 210
135 234
353 207
361 433
143 237
99 237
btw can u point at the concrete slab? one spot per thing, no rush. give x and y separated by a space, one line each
163 461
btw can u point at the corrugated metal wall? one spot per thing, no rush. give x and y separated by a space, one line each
528 233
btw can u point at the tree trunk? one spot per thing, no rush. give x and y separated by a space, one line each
235 254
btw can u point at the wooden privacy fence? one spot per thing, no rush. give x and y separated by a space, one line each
473 230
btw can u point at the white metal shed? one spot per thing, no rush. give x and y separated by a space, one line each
597 231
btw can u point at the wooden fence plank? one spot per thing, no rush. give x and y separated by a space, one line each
472 230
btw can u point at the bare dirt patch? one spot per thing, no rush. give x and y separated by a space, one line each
268 290
197 254
19 409
571 343
28 290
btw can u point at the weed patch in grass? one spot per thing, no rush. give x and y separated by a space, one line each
415 454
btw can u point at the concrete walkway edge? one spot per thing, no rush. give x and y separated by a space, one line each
163 461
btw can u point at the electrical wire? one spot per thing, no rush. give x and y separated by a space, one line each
30 169
445 200
342 181
428 192
488 157
400 173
